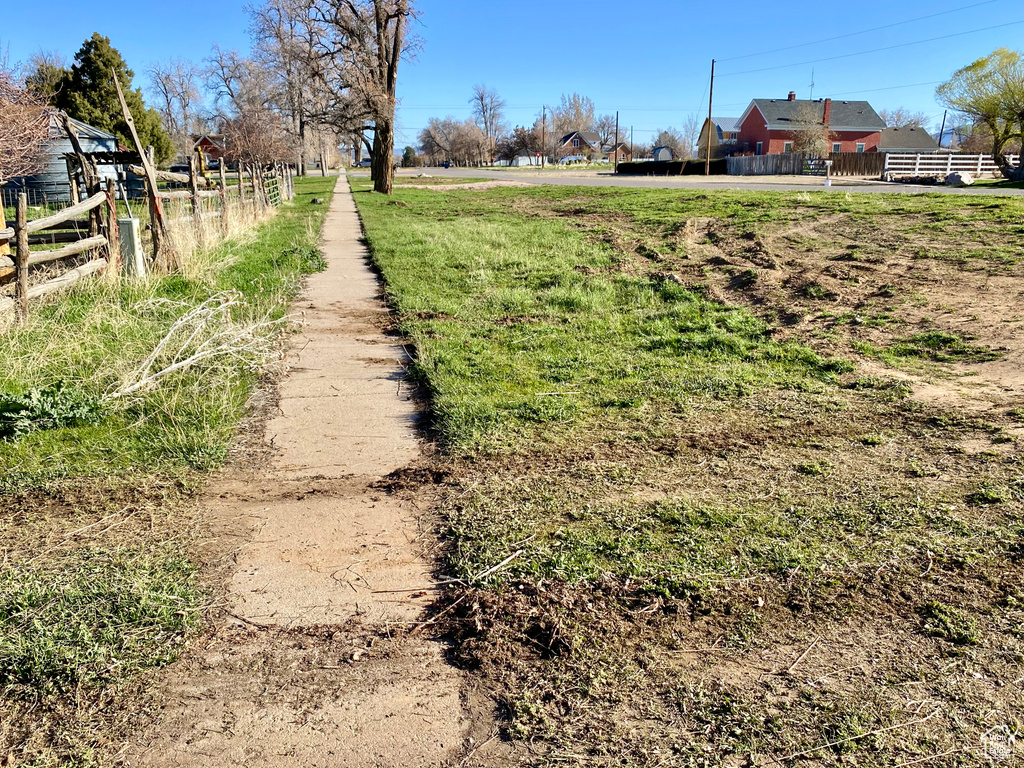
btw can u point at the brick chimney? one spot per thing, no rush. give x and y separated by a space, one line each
792 95
827 118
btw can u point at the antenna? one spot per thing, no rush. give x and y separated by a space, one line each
812 85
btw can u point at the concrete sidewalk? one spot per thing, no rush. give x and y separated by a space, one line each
323 566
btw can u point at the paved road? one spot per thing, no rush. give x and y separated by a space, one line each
780 184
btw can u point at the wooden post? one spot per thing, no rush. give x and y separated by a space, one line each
5 247
163 255
223 199
73 181
197 203
252 180
241 183
21 258
113 235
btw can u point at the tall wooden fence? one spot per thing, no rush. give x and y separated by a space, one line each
791 164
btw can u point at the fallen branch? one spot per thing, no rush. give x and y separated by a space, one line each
184 335
803 655
496 568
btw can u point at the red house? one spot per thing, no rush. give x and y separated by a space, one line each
767 126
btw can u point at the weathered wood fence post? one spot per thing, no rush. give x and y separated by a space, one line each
164 257
224 228
5 248
112 234
197 203
21 258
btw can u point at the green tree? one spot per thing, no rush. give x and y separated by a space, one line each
48 75
991 92
409 158
88 94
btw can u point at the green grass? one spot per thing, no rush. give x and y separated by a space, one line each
91 337
668 472
521 330
100 582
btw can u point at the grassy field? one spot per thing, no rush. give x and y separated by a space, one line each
694 426
99 584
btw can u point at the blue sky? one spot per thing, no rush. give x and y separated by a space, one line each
649 60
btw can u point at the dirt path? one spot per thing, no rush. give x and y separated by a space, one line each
323 569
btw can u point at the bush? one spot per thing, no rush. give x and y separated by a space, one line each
673 168
48 408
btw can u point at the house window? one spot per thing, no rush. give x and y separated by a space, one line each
787 147
575 142
760 147
837 146
860 147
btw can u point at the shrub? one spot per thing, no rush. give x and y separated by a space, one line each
673 168
50 408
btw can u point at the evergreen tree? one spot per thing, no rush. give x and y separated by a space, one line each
87 93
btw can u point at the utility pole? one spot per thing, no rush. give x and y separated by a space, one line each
615 149
711 96
942 130
631 142
543 134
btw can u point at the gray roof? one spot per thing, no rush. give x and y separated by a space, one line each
84 130
908 138
856 115
592 138
726 124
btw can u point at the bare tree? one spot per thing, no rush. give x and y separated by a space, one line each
449 139
691 134
176 86
23 129
574 113
811 136
605 127
903 118
286 36
674 140
489 112
363 45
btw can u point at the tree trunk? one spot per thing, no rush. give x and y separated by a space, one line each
383 166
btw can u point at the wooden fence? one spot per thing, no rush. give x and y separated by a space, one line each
101 245
942 164
791 164
797 164
98 238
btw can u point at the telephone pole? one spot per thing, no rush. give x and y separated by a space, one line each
615 149
942 130
711 97
543 134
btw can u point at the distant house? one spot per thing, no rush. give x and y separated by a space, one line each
724 133
907 139
579 143
51 183
767 126
620 153
211 145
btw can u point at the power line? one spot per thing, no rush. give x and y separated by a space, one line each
874 50
862 32
888 88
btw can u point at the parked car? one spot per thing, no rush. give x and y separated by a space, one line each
364 164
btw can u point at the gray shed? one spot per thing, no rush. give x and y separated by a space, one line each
662 154
51 183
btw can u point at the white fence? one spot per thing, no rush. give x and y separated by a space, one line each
943 164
